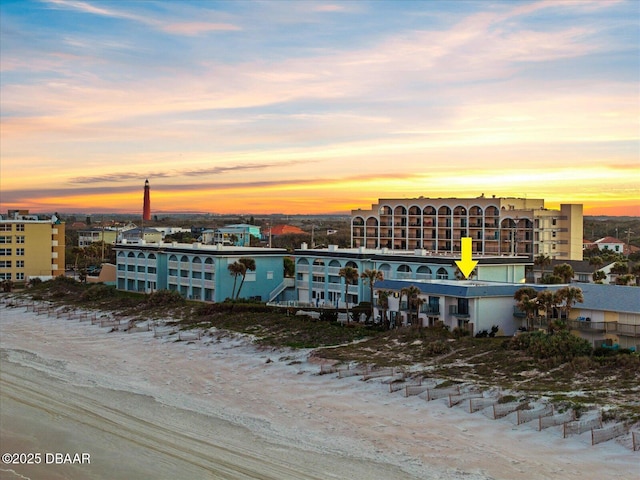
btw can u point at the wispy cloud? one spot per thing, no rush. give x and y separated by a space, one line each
314 99
196 28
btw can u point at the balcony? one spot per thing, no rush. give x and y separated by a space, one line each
518 313
588 326
628 329
430 309
459 313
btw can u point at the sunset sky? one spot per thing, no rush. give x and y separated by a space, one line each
317 107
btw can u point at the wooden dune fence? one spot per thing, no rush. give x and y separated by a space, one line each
525 416
189 335
607 433
162 331
576 427
394 373
635 438
476 404
501 410
417 389
435 393
455 399
558 419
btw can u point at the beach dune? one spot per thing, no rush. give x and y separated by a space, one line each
220 408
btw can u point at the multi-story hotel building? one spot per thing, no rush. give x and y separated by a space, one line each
497 226
30 247
198 272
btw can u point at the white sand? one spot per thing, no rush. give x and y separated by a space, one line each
215 408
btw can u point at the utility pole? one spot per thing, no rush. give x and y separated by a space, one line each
628 232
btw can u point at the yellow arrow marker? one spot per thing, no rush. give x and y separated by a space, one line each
466 264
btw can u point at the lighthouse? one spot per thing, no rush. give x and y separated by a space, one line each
146 208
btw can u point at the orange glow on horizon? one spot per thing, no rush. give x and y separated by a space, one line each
270 200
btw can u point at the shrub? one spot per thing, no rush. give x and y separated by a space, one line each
98 291
437 348
162 298
460 332
562 346
329 315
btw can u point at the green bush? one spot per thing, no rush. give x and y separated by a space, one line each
561 346
437 348
460 332
162 298
329 315
98 291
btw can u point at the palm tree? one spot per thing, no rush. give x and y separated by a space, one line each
236 269
598 276
542 261
383 303
569 296
596 262
564 271
372 276
527 302
249 266
350 275
413 299
547 301
620 269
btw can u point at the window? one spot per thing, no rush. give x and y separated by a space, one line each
19 263
5 263
20 239
19 227
463 306
20 276
20 252
553 222
5 239
5 227
5 276
5 252
270 275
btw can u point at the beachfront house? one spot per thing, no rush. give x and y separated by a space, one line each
609 314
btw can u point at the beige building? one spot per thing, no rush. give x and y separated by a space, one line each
30 247
94 235
497 226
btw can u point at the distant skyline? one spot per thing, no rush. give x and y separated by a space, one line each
317 107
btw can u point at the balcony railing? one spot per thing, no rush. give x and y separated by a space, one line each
626 329
584 326
453 310
430 309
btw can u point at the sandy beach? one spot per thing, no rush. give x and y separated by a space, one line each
219 408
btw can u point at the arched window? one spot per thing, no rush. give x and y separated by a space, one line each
442 274
424 272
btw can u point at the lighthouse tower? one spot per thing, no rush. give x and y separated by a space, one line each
146 209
